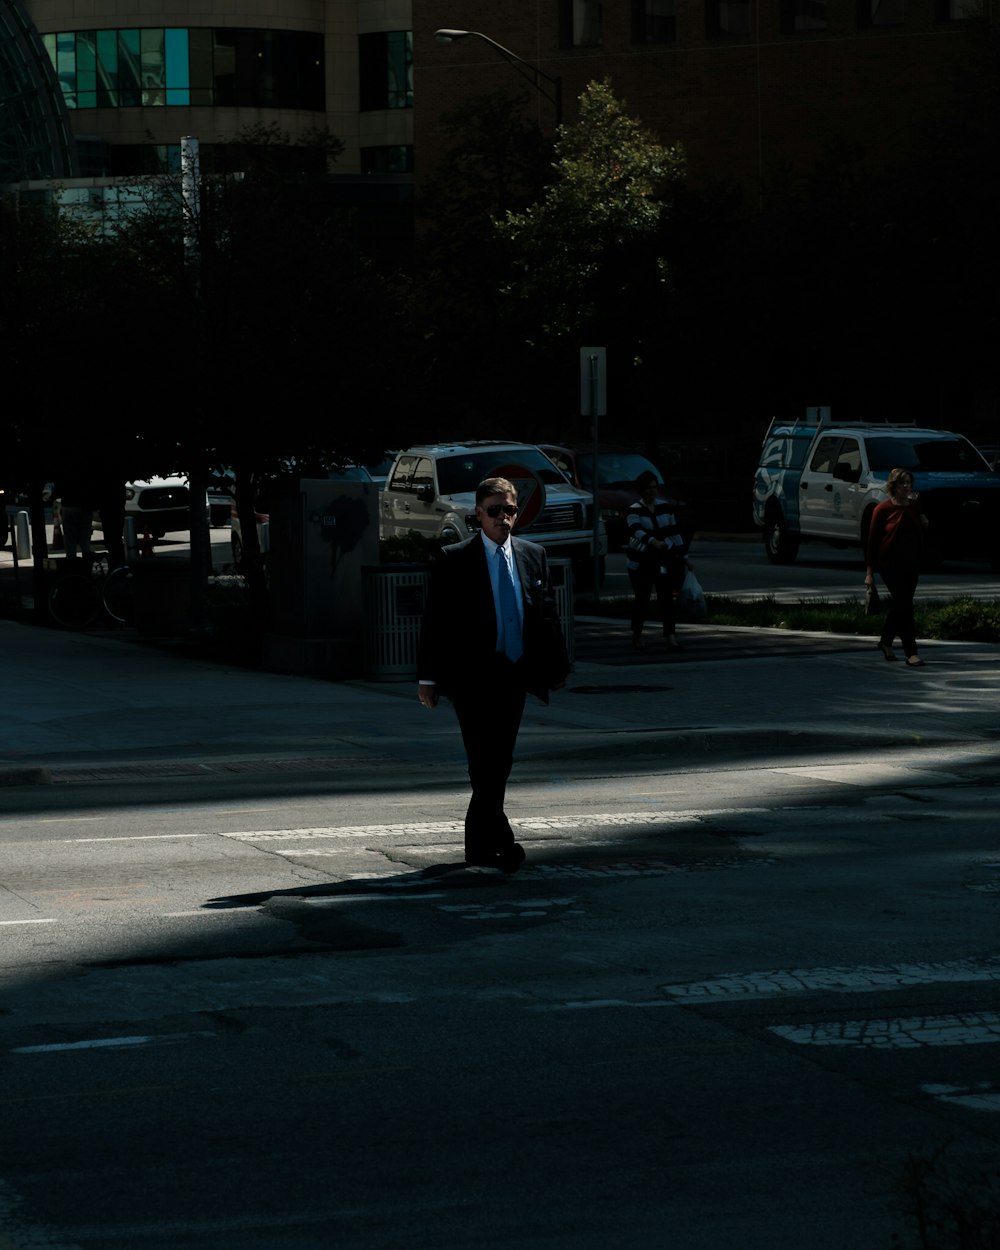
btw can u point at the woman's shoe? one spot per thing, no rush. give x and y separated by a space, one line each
637 643
674 645
914 661
887 651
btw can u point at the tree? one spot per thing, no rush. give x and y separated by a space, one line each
587 261
276 357
497 161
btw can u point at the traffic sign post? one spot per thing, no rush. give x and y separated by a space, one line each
594 403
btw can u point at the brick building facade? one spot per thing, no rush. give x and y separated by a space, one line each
751 88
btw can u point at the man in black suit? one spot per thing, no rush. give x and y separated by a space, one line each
490 634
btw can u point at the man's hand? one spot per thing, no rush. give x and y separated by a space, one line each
427 694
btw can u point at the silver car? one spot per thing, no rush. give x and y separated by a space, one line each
432 489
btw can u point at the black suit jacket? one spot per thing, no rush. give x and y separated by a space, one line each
459 633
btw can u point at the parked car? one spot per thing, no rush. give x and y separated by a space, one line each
823 480
221 484
432 489
159 505
617 471
380 471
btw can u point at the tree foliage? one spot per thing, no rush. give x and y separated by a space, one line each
592 244
496 161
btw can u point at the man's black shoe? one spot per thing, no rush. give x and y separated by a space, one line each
511 859
483 859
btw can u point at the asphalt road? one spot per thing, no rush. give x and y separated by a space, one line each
723 1005
252 1001
740 569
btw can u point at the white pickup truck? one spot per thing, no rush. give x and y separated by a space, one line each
819 480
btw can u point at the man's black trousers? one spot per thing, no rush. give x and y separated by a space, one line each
489 717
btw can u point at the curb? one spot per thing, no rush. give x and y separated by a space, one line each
25 777
535 754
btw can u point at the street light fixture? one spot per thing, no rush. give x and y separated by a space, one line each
537 77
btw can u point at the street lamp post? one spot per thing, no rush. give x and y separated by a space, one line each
537 77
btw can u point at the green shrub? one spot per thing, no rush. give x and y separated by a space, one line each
964 620
411 548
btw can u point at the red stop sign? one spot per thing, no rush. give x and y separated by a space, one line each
530 491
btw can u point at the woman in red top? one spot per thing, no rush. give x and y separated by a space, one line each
895 544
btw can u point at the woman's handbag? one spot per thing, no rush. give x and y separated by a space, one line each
873 603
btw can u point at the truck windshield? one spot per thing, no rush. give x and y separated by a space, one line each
946 455
460 475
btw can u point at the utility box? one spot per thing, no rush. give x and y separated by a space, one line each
322 533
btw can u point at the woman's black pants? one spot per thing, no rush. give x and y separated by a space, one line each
643 582
899 619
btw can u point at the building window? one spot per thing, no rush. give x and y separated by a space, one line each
158 66
580 23
386 70
654 21
803 15
957 10
391 159
880 12
727 18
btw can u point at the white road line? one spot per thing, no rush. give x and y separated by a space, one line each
109 1043
605 820
141 837
910 1033
866 773
401 897
201 913
323 851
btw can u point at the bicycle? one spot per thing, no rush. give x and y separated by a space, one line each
79 594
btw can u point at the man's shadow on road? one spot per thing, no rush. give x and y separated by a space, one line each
458 875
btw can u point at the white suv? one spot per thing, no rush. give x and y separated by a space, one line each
432 489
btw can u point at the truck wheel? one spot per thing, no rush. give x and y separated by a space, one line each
781 546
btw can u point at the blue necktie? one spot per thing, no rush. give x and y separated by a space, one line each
510 621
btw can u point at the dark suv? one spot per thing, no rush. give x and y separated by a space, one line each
616 475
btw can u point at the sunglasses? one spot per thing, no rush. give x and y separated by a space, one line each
494 510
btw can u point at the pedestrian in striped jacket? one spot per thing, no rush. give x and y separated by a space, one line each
656 559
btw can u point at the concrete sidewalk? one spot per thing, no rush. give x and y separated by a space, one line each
81 705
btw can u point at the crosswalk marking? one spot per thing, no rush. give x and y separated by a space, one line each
872 977
902 1033
527 825
981 1097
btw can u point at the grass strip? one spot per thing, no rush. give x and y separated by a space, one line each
958 620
